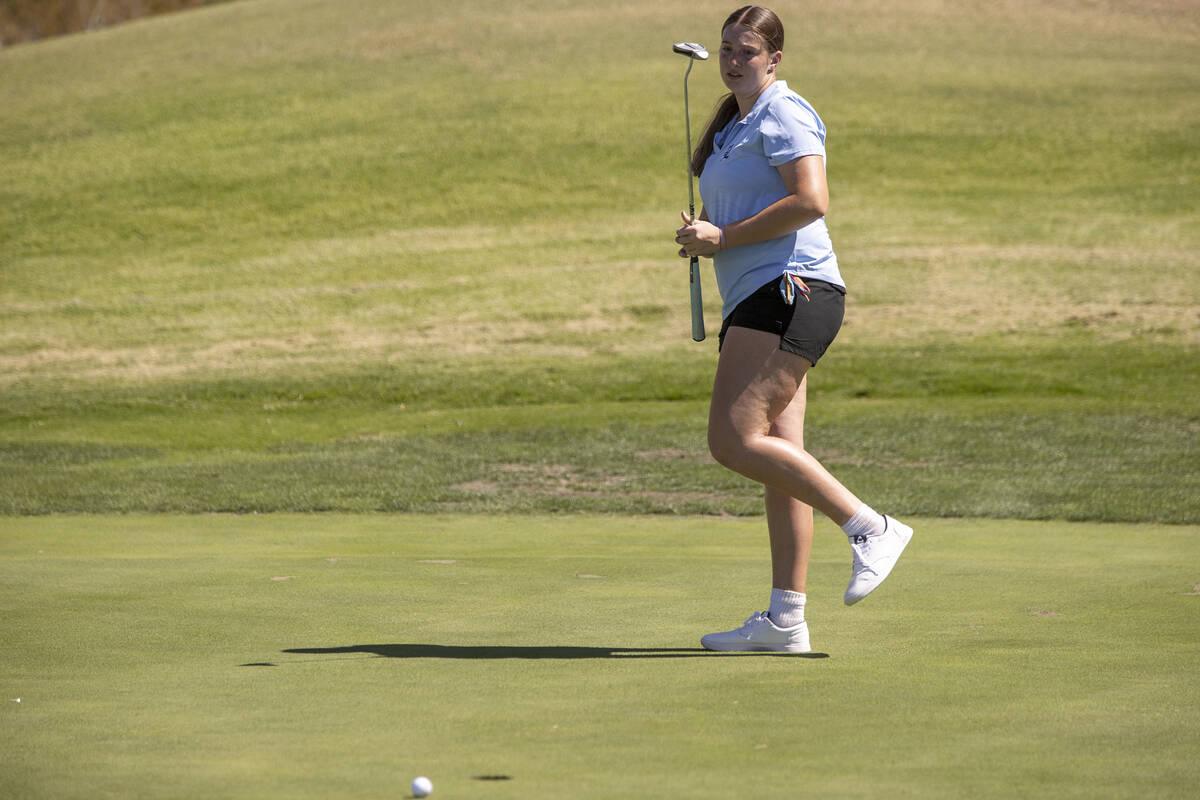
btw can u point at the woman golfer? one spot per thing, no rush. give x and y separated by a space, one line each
761 164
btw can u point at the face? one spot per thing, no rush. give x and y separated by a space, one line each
746 65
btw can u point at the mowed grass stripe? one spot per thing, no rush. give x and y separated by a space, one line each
1073 430
384 298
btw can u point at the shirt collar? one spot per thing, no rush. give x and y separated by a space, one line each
768 94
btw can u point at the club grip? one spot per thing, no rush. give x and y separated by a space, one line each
697 302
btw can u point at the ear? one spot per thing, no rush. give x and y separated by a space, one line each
775 59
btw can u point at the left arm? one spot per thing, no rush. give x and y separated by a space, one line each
807 200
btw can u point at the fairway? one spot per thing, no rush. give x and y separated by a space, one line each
317 656
351 428
368 241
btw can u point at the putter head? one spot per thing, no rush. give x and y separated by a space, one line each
691 50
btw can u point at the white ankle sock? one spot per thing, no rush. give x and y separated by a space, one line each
787 608
865 522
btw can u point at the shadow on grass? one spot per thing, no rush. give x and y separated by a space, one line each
487 652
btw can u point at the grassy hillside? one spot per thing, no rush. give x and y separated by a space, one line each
295 255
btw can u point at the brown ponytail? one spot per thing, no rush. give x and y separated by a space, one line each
727 109
766 24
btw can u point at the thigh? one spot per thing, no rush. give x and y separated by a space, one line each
790 424
757 384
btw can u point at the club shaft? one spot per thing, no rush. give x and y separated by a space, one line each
687 120
697 302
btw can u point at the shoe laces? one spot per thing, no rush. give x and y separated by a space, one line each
862 553
755 619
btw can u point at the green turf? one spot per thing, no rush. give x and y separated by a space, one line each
335 656
964 434
304 256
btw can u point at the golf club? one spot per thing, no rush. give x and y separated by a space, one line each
695 52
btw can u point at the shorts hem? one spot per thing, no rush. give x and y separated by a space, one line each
807 355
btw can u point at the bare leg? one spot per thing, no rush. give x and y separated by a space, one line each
756 428
755 384
790 522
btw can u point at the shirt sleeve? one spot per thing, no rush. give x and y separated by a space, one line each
791 130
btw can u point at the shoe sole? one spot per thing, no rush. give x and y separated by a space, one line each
848 600
756 648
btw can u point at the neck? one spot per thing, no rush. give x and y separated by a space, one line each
746 102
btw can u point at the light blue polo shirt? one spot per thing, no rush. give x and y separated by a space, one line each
740 179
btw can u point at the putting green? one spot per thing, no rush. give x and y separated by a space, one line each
324 656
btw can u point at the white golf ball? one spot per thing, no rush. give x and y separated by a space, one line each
422 787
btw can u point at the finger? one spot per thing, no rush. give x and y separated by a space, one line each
686 219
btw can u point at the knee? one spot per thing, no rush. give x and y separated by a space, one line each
726 446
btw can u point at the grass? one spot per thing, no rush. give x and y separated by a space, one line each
310 656
1081 431
295 256
276 290
388 442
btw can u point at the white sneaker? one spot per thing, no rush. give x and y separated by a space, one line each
760 634
874 557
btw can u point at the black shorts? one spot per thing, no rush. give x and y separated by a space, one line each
805 328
